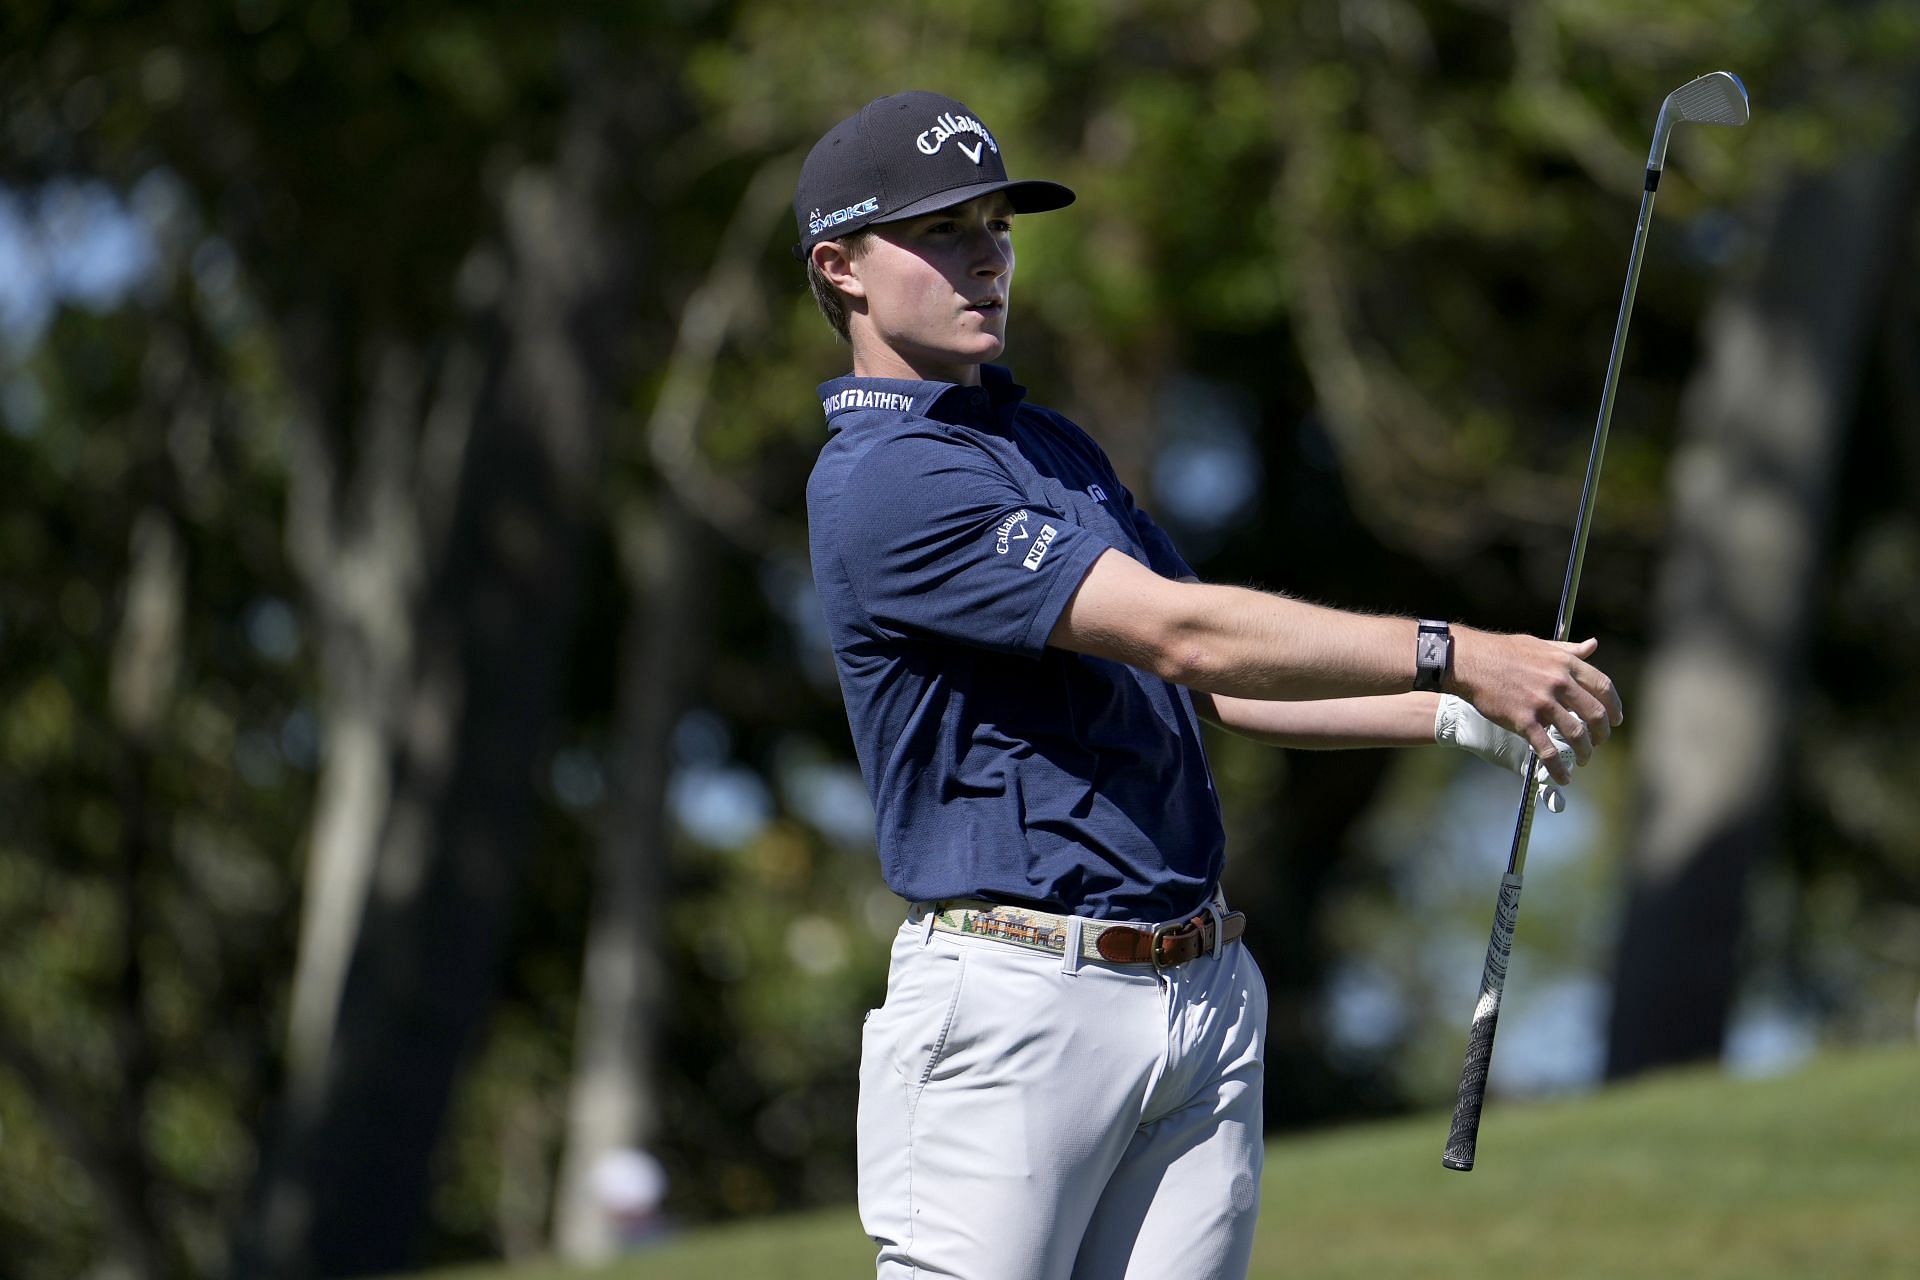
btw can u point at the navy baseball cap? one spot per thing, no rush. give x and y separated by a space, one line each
902 156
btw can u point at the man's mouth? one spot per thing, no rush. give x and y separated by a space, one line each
987 306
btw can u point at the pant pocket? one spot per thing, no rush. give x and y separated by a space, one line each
900 1045
929 1025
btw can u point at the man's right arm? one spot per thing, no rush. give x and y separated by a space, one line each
1248 644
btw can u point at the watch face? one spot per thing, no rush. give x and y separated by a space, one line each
1433 649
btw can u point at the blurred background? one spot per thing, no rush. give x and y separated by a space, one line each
428 827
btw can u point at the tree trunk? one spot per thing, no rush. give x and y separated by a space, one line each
358 546
428 808
663 541
612 1105
1763 425
1327 794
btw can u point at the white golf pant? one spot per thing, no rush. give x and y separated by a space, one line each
1025 1116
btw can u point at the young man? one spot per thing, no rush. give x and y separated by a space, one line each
1065 1078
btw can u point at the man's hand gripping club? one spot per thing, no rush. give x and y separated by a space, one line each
1544 691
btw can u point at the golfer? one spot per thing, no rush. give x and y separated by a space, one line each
1065 1078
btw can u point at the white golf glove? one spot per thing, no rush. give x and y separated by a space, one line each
1457 724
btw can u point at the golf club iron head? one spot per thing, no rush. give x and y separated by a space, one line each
1715 98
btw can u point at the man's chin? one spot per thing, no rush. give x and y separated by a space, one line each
991 332
977 350
987 347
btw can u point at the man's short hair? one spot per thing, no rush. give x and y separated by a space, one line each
833 303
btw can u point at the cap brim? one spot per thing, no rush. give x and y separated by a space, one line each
1028 195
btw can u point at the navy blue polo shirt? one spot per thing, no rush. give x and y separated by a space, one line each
949 527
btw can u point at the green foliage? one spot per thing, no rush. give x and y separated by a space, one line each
145 859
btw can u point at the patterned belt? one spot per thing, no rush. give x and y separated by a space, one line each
1117 942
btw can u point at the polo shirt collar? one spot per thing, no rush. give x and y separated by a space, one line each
993 401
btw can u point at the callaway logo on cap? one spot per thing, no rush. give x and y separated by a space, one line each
902 156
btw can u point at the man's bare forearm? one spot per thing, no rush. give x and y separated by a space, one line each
1326 724
1233 641
1250 644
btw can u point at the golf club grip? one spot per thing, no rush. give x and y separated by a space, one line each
1465 1132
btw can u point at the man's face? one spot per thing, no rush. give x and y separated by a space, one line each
936 288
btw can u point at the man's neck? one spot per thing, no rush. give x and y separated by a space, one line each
874 360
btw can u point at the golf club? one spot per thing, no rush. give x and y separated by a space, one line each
1715 98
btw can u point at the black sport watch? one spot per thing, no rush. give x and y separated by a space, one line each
1432 655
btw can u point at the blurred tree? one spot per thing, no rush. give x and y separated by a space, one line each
668 506
414 203
466 722
1764 434
151 732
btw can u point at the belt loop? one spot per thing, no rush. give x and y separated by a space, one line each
1070 962
933 914
1219 925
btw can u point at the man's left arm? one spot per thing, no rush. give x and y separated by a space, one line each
1388 720
1324 724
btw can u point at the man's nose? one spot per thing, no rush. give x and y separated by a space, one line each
991 256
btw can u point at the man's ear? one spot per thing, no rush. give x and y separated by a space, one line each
832 262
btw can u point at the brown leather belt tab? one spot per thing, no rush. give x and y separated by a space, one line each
1171 944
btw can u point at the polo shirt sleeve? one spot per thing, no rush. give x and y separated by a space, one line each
939 541
1162 557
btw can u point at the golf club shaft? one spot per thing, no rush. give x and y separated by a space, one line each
1464 1133
1583 522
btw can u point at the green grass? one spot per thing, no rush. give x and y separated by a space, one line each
1689 1175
